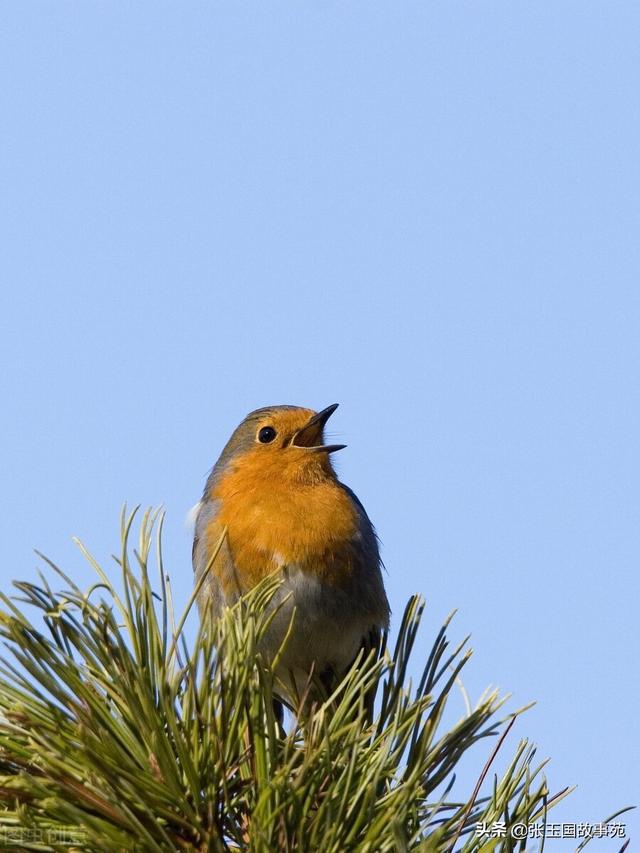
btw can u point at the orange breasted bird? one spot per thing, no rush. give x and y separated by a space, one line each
276 493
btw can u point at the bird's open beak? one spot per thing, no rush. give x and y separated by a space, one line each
311 433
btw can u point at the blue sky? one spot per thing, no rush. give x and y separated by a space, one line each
425 211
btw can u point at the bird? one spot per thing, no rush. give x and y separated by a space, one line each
275 496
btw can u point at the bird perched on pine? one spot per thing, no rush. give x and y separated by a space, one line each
275 492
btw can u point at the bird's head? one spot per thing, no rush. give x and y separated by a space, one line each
279 441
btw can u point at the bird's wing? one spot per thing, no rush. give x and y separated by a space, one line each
219 587
370 564
374 595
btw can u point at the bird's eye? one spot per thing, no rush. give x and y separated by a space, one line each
266 435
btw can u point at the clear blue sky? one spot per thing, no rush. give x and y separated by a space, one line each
427 211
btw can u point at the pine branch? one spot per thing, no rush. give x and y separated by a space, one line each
117 734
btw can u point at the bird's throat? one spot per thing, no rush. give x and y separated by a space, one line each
275 523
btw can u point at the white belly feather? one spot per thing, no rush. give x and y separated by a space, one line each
327 633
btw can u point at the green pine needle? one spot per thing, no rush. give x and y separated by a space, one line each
118 734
